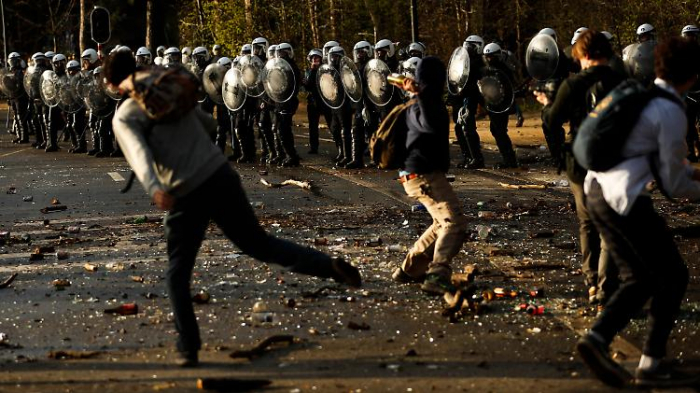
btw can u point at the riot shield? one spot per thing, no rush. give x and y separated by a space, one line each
279 80
379 90
639 59
542 57
350 76
32 82
497 90
213 81
11 83
49 88
330 86
92 90
69 99
251 70
458 71
233 91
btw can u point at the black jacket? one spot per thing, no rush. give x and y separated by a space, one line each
428 122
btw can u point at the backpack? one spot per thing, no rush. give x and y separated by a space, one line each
387 147
603 133
165 94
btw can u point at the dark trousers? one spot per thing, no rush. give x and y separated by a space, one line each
283 128
555 141
650 267
341 129
599 270
467 137
314 112
499 129
222 199
224 126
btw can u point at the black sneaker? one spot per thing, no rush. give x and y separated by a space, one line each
402 277
664 376
596 355
187 359
437 284
346 273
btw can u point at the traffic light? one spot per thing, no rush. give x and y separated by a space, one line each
100 29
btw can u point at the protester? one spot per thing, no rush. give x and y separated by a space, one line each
637 237
423 178
189 177
574 99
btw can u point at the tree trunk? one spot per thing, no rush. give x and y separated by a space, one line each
82 34
331 13
200 13
149 25
249 14
373 17
313 22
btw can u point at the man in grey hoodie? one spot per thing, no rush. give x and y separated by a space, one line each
189 177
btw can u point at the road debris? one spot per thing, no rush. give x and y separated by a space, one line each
231 384
523 186
60 283
301 184
6 283
90 267
72 355
259 349
53 209
28 198
12 190
203 297
55 201
358 326
124 309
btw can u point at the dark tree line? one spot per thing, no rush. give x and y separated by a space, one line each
34 25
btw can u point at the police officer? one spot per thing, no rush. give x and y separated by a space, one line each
224 118
20 103
341 118
361 52
55 117
39 109
216 53
465 106
143 57
499 121
555 137
76 121
271 148
284 112
314 103
172 56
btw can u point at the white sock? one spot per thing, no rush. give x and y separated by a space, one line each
648 363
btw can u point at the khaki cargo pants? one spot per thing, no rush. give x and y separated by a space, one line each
437 246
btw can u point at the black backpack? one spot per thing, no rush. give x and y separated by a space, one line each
603 133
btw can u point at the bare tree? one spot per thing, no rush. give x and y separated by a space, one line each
149 24
249 14
82 33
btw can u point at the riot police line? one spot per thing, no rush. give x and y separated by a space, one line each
259 88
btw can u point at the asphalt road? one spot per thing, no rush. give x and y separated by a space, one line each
404 344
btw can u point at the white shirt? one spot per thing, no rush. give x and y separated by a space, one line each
660 131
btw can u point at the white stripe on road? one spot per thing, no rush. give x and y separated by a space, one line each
14 152
116 176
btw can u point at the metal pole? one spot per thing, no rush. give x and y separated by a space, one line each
4 37
414 20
